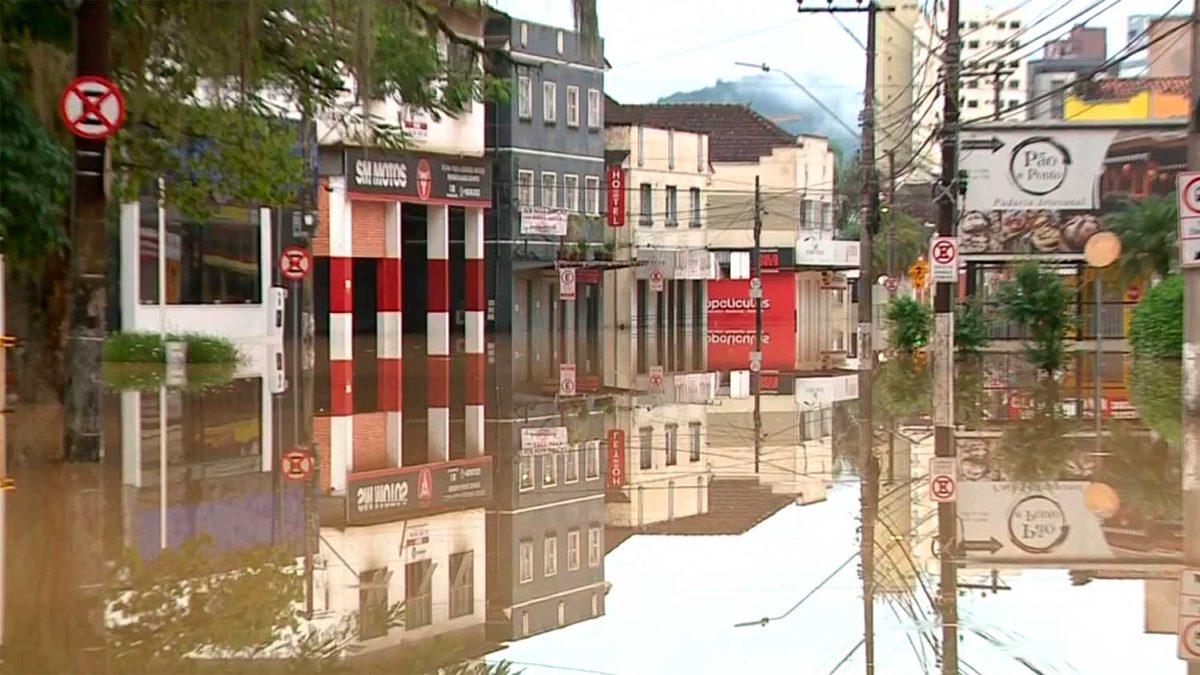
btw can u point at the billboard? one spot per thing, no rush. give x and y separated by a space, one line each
387 495
1045 191
731 322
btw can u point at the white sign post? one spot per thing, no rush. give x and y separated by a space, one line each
943 479
566 379
1189 218
943 255
656 280
566 283
1189 607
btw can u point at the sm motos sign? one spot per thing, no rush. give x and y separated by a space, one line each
731 322
439 179
387 495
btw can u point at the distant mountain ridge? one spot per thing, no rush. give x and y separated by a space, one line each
778 100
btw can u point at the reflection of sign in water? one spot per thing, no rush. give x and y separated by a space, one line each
1037 524
393 494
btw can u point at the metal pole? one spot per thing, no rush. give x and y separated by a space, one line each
866 354
1099 352
161 209
943 356
756 274
891 224
1191 353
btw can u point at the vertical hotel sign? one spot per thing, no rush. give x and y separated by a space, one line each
616 458
615 210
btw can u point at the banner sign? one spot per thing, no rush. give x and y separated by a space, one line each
1046 191
442 179
374 497
731 322
544 221
616 196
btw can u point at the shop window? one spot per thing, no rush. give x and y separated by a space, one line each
210 262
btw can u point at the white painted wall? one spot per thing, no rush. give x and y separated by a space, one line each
366 548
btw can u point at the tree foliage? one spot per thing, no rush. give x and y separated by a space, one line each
1036 300
1156 392
910 323
970 328
1032 449
1156 329
1148 229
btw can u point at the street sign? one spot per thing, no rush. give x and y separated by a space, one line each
566 283
943 479
1189 640
92 107
176 360
919 273
297 464
755 362
615 213
294 263
656 280
755 288
943 251
1188 184
656 376
616 458
566 379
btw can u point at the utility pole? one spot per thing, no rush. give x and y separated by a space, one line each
303 357
868 463
1191 351
943 345
891 224
998 72
756 274
84 437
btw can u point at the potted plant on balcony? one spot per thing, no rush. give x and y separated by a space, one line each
609 252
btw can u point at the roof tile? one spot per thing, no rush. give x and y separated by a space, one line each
736 133
1122 88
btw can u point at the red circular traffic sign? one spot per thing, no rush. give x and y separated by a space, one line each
297 464
92 107
1189 639
1191 195
942 487
294 263
892 283
944 251
656 275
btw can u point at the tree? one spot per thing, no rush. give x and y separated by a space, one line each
970 328
910 323
1157 327
1148 229
1036 300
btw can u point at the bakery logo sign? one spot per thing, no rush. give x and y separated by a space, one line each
1039 165
1037 524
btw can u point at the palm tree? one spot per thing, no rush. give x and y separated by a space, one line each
1148 229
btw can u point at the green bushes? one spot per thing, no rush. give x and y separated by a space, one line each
148 348
911 322
1036 300
1157 326
970 328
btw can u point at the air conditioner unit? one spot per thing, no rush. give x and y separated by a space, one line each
278 305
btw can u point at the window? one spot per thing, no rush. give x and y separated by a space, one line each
550 555
694 433
1014 64
549 470
699 153
1012 104
694 220
560 42
972 44
572 106
595 544
524 623
1014 24
373 603
462 584
1015 44
594 108
591 461
972 103
549 189
972 84
1014 84
524 34
646 447
646 199
571 192
573 550
525 188
591 195
418 594
549 102
571 465
641 146
595 604
215 260
524 97
672 206
525 477
526 564
672 444
973 25
671 149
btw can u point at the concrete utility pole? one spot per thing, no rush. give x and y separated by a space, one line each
1191 349
756 278
84 437
943 345
998 72
891 224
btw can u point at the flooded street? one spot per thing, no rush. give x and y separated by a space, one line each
631 521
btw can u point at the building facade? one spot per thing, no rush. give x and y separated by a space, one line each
1081 53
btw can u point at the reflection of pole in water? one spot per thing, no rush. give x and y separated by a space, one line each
869 510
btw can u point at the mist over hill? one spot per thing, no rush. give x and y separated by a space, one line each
774 97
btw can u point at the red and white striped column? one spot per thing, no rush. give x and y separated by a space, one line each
437 242
475 307
390 329
341 334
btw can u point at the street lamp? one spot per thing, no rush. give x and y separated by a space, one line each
1101 250
767 69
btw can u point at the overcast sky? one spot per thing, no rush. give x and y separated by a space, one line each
658 47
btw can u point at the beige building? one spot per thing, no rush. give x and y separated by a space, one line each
1169 53
894 83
